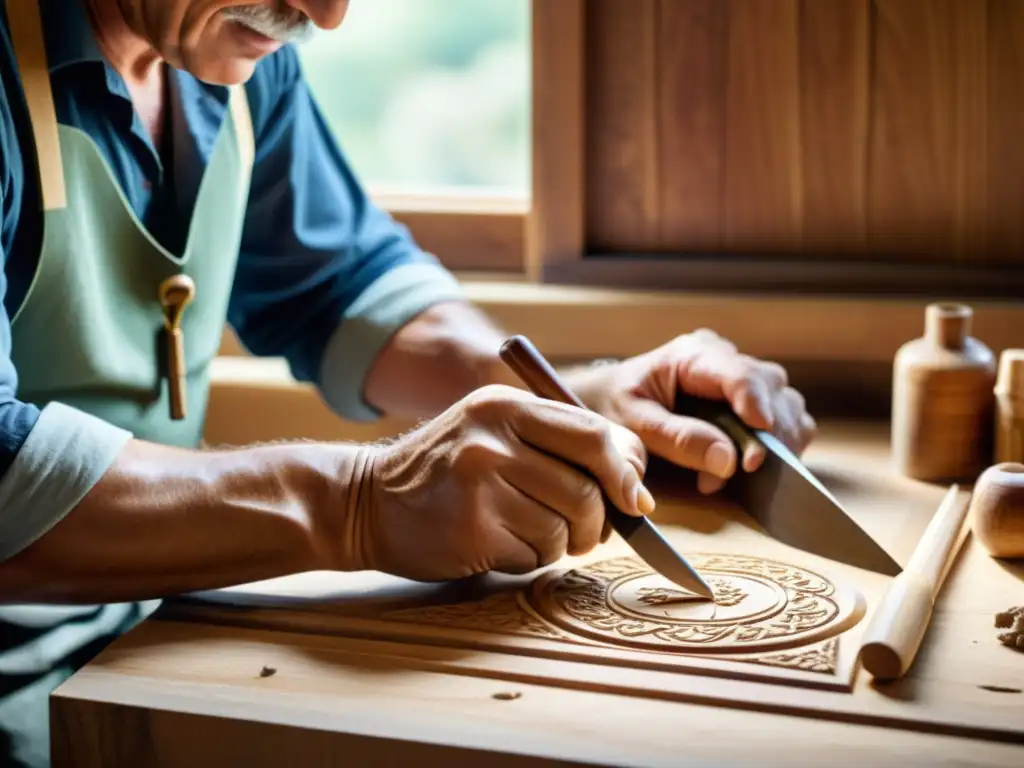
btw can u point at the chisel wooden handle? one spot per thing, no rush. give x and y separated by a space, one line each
524 359
176 292
898 627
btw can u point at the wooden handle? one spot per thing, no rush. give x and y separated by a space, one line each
537 374
898 627
176 293
526 361
176 373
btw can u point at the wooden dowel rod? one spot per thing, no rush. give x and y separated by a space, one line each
898 627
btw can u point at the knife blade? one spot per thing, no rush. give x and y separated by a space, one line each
785 497
647 541
526 361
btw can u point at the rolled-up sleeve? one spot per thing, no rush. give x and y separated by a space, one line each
64 455
325 277
49 459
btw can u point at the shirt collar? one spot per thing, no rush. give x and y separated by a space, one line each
69 37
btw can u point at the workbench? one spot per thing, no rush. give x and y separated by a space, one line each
287 673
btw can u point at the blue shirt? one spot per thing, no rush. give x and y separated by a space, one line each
324 277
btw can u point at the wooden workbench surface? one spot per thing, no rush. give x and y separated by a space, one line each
300 671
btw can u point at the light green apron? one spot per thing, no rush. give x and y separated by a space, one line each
89 333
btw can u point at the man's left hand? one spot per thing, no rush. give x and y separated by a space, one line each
639 393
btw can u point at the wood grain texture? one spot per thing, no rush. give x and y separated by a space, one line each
691 110
913 148
1005 127
622 109
894 636
875 131
484 240
997 510
970 179
763 167
760 606
835 104
942 403
189 696
1009 407
554 230
424 691
513 615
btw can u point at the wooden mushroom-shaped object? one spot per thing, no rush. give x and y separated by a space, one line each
997 510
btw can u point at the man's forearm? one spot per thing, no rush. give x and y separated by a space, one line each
436 359
440 357
164 521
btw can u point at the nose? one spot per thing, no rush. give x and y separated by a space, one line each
326 14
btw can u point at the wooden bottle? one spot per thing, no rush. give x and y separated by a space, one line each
1009 392
943 400
997 510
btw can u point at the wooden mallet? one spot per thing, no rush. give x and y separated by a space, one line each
898 627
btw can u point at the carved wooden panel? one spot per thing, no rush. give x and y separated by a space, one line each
881 130
351 635
760 605
766 612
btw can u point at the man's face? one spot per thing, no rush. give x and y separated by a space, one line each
221 41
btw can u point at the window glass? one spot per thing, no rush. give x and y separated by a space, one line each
429 95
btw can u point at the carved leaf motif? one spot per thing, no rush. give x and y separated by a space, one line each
726 595
662 596
582 593
497 613
820 658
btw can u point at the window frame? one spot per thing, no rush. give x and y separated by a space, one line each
524 261
541 235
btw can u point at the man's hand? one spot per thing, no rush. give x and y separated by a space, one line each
639 393
501 481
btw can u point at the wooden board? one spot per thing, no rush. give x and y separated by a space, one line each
805 613
330 638
176 695
510 628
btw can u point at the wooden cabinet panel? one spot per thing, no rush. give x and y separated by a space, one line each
835 76
622 110
763 189
880 130
691 128
913 149
1005 131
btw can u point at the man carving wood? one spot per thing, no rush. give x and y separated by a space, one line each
165 171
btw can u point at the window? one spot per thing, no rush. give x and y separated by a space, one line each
429 95
811 146
430 100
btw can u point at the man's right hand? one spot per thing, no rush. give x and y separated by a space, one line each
501 481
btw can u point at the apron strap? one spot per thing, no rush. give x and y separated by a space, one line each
30 51
242 118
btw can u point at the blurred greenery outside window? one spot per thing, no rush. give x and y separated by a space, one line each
429 96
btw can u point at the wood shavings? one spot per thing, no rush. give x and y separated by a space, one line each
1005 618
1013 620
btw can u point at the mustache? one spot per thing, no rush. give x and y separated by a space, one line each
285 25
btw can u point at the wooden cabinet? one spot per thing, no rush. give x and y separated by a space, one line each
827 144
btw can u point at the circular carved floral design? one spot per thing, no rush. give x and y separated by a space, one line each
759 605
